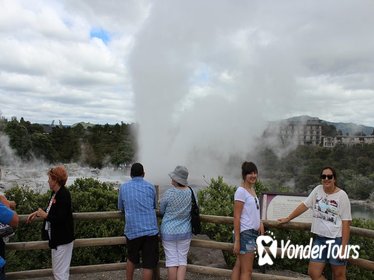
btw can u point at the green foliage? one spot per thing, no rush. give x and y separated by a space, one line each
108 144
302 166
88 195
42 146
27 201
218 199
356 185
96 146
329 130
296 237
19 138
91 195
366 251
65 143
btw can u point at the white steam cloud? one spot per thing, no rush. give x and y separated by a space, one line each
205 86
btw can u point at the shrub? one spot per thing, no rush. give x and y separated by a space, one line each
88 195
218 199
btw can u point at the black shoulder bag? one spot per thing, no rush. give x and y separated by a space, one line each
195 215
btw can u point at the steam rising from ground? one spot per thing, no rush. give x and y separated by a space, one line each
14 171
204 91
33 174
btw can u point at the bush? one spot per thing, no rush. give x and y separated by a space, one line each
88 195
27 201
366 251
91 195
218 199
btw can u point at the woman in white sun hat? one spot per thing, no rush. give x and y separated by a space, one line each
176 232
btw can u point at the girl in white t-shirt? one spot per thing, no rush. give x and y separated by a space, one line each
331 223
247 223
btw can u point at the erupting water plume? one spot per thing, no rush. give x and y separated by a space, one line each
204 91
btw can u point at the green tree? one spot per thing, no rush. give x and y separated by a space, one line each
67 146
42 147
96 146
19 138
329 130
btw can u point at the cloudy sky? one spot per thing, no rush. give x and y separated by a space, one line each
187 69
71 60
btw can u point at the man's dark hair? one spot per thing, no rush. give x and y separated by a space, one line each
137 170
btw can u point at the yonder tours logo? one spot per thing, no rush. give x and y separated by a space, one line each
292 251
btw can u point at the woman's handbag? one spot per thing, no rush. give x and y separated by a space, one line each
195 215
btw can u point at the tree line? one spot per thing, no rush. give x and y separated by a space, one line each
101 145
95 146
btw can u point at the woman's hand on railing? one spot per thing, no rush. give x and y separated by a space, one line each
41 213
283 220
38 213
31 217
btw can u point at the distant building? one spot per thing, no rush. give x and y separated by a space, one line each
308 132
330 142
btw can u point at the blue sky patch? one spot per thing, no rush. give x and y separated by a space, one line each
100 33
202 75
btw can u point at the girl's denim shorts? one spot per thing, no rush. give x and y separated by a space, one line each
248 241
324 257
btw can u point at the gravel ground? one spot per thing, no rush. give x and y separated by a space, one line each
120 274
115 275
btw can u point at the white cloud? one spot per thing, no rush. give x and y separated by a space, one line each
51 59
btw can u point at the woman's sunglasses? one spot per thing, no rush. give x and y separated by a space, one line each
328 177
256 200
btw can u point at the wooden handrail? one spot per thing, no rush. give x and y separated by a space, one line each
84 242
368 233
363 232
122 266
120 240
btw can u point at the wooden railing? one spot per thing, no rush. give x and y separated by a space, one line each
119 240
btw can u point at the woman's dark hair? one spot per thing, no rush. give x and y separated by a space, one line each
333 173
247 168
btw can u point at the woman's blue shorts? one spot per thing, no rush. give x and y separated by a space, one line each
248 241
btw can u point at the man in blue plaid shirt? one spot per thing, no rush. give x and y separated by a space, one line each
137 199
